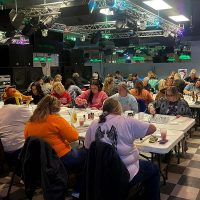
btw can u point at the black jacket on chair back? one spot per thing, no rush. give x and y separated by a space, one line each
106 176
42 167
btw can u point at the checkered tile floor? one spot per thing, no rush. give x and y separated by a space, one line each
183 180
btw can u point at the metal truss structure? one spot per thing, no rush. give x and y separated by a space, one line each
44 9
105 28
132 12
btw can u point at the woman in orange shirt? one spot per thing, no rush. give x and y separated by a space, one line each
47 124
140 93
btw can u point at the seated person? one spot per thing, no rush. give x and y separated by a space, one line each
146 84
171 104
93 97
47 124
179 83
12 122
57 78
109 86
61 94
192 87
192 78
163 85
120 132
127 101
11 91
47 85
140 93
73 89
36 93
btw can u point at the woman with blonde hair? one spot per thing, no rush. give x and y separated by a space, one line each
61 94
109 86
163 85
47 124
57 78
120 132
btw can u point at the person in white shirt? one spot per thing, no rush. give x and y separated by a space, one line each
12 122
120 131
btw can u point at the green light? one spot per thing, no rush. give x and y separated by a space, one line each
138 58
171 59
42 59
184 57
120 60
69 37
49 59
106 36
36 59
95 60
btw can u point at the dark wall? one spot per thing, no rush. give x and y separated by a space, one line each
16 55
52 43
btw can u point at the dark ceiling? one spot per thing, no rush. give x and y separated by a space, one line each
189 8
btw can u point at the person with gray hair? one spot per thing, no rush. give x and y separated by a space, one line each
127 101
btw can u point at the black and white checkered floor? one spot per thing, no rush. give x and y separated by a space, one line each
183 179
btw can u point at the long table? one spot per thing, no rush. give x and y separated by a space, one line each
170 122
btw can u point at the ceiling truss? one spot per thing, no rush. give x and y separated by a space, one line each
132 11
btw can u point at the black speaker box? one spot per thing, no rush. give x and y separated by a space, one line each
16 55
87 72
21 77
76 9
5 23
67 72
34 73
54 71
77 57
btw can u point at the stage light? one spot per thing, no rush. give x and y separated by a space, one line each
44 32
143 25
82 38
106 11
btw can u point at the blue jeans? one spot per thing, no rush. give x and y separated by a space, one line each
149 176
74 159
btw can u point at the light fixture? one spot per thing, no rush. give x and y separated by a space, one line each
106 11
120 23
179 18
44 32
166 33
82 38
157 4
143 25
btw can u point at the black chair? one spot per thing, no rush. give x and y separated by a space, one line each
42 167
105 175
4 167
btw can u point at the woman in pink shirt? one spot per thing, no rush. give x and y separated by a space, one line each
94 97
